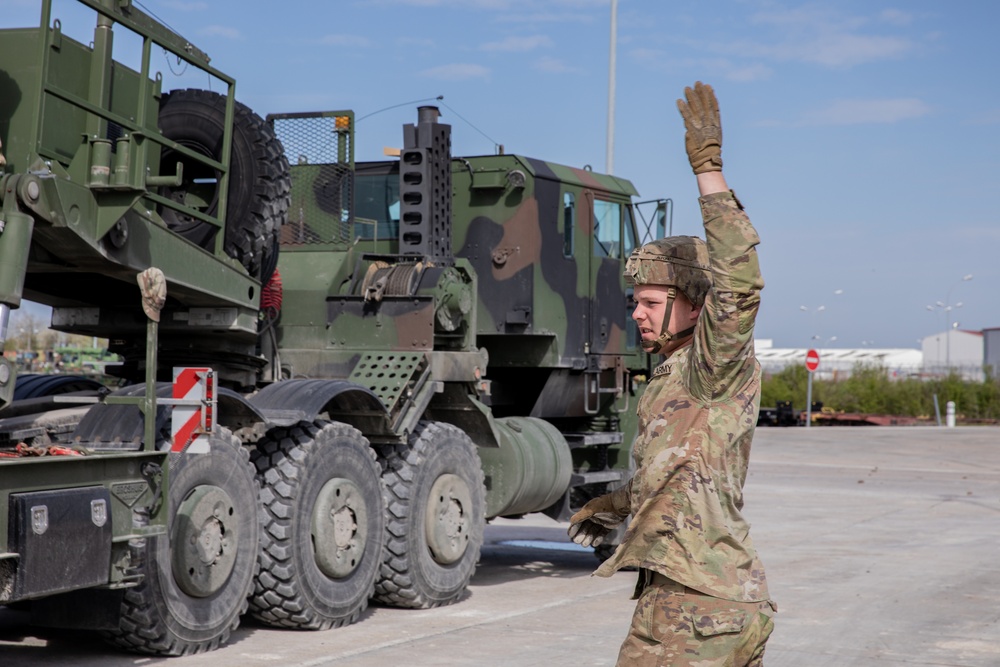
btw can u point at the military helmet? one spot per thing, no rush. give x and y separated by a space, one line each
677 261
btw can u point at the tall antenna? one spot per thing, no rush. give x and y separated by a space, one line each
610 168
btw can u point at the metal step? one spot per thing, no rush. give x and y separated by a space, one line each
592 439
581 478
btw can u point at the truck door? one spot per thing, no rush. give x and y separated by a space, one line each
612 239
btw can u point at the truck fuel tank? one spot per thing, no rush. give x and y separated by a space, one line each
529 471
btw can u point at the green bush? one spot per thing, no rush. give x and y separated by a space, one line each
869 390
788 385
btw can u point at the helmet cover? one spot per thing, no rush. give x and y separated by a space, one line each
677 261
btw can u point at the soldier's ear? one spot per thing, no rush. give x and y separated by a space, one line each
695 312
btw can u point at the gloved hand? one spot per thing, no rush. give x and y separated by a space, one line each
598 517
703 139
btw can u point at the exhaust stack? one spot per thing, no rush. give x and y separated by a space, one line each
425 189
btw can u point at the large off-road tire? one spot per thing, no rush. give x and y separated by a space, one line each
197 577
259 181
38 386
122 426
323 526
436 504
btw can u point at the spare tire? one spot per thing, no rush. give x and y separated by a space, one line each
259 181
39 386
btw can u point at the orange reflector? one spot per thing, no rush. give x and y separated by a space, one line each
342 122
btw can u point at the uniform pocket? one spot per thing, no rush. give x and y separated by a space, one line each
723 621
748 317
659 613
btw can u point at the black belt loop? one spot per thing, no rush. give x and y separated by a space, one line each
642 583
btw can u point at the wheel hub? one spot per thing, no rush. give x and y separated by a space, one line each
205 541
339 527
447 522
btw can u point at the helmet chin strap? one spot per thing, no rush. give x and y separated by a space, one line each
657 346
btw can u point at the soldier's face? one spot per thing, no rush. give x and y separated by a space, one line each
650 307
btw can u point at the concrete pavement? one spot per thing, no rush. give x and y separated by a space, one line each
880 545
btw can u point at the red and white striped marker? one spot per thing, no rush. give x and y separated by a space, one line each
193 418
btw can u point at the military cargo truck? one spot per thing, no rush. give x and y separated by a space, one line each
439 341
482 299
137 511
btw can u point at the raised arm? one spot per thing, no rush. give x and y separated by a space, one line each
703 137
724 338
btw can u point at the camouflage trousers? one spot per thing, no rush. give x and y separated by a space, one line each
675 626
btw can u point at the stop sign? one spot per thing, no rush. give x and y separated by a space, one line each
812 360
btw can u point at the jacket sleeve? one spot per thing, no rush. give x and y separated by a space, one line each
723 356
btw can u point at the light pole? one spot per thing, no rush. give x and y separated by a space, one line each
946 307
610 158
813 313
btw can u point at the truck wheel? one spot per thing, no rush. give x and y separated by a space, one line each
259 182
436 505
196 580
323 526
39 386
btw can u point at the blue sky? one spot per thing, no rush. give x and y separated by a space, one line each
862 136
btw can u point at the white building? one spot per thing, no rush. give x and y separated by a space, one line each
991 351
838 363
956 351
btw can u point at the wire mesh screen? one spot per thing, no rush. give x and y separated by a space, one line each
320 152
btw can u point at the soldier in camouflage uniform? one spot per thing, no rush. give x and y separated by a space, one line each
702 594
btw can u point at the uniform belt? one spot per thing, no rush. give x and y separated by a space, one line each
660 579
654 578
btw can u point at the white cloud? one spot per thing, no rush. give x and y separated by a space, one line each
463 4
835 50
185 6
555 66
990 233
808 17
865 112
746 73
416 42
220 31
457 72
987 117
822 36
546 17
648 55
845 50
518 6
896 17
518 44
352 41
527 11
742 70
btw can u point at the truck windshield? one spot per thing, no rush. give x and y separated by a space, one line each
610 219
376 206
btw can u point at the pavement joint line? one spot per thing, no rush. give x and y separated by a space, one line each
845 466
326 660
967 500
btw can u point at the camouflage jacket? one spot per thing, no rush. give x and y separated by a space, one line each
696 421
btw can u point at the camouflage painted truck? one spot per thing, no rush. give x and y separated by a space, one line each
446 341
482 300
137 511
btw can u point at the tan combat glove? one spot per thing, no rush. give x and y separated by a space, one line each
600 516
153 286
703 139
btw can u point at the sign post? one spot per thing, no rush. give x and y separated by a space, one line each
812 363
195 406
